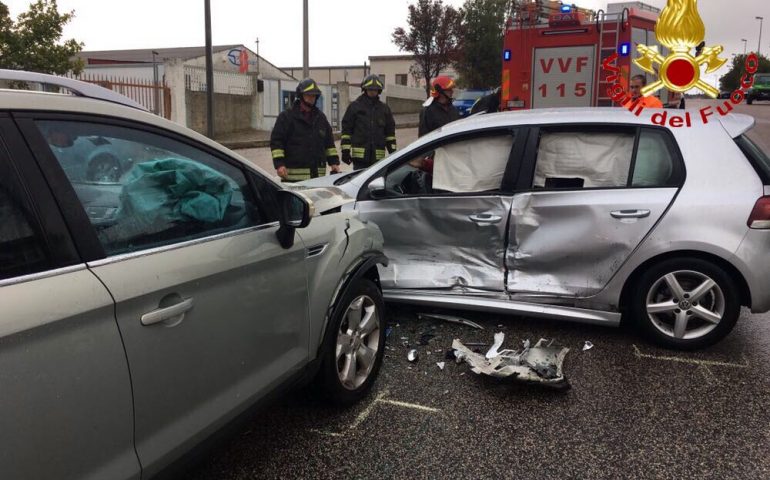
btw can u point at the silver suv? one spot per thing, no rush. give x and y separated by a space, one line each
152 298
578 214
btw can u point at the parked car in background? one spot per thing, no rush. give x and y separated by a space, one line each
148 304
760 90
464 101
587 215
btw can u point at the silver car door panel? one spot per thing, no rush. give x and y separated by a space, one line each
571 243
64 377
242 300
442 242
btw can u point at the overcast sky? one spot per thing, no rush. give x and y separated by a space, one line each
342 32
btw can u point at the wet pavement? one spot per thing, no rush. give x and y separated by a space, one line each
634 410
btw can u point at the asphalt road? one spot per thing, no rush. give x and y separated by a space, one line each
634 410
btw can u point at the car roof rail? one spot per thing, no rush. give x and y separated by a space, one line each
77 87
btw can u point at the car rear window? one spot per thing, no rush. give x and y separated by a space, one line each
750 146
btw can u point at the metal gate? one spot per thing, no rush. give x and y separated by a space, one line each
156 98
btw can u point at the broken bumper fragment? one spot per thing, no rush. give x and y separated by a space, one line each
539 364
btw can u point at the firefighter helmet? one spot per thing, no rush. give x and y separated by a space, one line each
440 85
372 82
308 87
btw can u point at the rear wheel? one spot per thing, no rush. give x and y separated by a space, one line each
685 303
356 345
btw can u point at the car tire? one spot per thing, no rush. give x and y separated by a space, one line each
749 100
685 303
355 345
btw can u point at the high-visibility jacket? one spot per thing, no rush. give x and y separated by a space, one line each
435 116
368 130
303 143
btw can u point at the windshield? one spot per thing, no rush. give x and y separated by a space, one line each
470 95
762 80
346 178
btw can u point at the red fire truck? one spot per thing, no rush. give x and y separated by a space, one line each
553 53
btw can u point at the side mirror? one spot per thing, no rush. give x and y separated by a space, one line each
377 188
295 212
296 209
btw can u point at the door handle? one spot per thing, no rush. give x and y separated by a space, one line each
630 214
163 314
485 219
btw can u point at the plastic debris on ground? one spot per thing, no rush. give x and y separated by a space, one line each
587 346
412 356
450 319
540 364
440 365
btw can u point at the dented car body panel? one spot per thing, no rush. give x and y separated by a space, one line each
571 246
432 242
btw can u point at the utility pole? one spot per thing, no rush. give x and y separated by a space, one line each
305 54
156 88
257 57
759 44
744 45
209 73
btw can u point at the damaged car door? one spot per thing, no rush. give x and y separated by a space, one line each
444 214
589 195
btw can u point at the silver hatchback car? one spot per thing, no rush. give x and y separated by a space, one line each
578 214
148 303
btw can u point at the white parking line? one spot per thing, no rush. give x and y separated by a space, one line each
410 405
692 361
368 410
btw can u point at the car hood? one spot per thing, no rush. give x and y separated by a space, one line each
350 188
323 198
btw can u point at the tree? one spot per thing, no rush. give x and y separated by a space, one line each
480 62
434 36
731 80
33 42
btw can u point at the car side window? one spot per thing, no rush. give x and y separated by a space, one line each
22 246
468 165
584 158
655 164
143 190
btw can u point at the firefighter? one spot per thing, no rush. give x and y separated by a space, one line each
439 110
635 87
302 142
368 127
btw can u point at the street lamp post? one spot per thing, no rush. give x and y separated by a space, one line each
209 72
305 54
155 99
759 44
744 45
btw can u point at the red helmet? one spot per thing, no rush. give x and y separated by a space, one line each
440 85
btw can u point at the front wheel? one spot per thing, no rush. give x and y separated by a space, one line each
685 303
749 100
356 345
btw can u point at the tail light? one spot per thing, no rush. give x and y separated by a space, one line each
760 216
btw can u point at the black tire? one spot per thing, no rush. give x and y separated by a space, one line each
104 167
329 377
749 100
720 301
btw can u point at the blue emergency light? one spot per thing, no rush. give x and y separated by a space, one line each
566 9
507 55
624 49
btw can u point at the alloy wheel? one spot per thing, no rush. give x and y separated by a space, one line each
358 341
685 304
